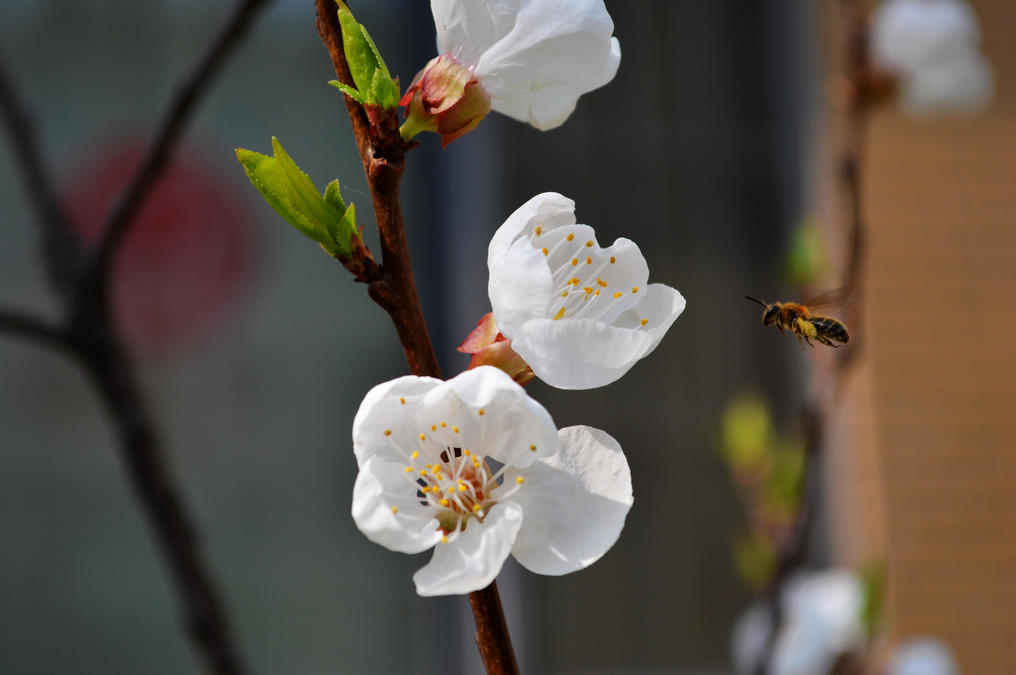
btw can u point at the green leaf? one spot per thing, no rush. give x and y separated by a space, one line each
747 431
755 560
873 580
374 84
292 194
349 91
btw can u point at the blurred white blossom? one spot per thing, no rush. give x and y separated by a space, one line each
932 47
922 656
821 620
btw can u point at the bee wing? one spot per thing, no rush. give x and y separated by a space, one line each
837 297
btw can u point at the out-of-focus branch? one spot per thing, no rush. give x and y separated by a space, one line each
88 333
60 248
817 411
382 152
161 150
32 328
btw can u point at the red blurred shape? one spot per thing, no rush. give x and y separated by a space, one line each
187 258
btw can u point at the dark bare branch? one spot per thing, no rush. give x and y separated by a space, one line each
32 328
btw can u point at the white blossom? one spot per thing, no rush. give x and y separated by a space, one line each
533 57
579 314
932 46
476 469
922 656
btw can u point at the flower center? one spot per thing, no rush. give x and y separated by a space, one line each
577 267
457 487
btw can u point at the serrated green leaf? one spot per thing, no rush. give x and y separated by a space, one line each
383 90
349 91
333 197
292 194
374 84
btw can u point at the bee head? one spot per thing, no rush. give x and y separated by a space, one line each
769 315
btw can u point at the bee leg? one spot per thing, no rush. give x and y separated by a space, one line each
799 340
808 341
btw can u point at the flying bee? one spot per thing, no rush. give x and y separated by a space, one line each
799 319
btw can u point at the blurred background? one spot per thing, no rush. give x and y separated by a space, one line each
709 149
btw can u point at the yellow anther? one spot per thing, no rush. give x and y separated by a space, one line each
480 411
444 540
644 321
444 501
545 251
433 427
416 453
635 290
601 282
538 231
423 472
533 448
402 400
476 463
423 437
589 260
587 289
574 262
570 237
388 432
597 292
564 294
409 469
617 295
465 451
520 480
455 429
463 488
476 508
559 314
425 489
613 260
395 509
443 425
589 243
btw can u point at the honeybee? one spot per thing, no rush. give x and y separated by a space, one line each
798 319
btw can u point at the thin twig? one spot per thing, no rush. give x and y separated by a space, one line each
32 328
382 152
160 152
60 247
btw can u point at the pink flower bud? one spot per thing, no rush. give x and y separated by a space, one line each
490 348
446 98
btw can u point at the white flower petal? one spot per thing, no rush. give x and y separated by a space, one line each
534 57
383 424
547 210
381 485
466 28
908 34
556 51
512 429
471 560
963 84
922 656
519 287
575 503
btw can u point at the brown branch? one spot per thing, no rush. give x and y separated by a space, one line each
60 247
159 154
382 152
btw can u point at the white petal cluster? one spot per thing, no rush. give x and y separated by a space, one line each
476 469
932 46
579 314
922 656
533 57
821 621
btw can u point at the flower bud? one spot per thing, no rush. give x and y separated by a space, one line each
490 348
446 98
